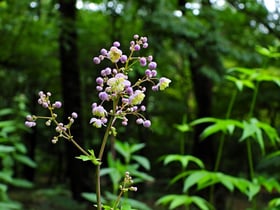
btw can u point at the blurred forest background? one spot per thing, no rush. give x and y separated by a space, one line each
49 45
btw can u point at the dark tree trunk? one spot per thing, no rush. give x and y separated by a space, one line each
71 88
203 94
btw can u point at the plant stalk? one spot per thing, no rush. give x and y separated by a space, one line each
248 143
222 142
102 148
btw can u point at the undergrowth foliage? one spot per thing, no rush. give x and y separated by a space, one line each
124 98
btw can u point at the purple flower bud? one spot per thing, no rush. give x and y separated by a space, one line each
99 88
144 39
108 71
96 60
147 123
74 115
103 52
143 61
154 73
145 45
30 124
129 90
123 58
116 44
45 105
136 36
103 96
93 105
124 122
99 80
57 104
143 108
150 58
41 94
152 65
148 73
139 121
137 47
155 88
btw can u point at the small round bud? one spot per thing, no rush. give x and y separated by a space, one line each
143 61
139 121
137 47
57 104
96 60
74 115
147 123
30 124
152 65
48 122
116 44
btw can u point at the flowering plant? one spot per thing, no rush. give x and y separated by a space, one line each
124 97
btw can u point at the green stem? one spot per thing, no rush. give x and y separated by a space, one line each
222 140
221 143
118 200
102 148
248 143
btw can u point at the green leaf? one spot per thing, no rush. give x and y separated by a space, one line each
91 157
20 147
6 111
203 179
25 160
6 149
254 129
274 202
193 179
6 176
21 183
183 127
184 159
219 125
124 149
126 206
136 147
10 205
269 183
175 201
270 52
201 203
143 161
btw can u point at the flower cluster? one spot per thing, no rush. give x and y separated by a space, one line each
114 85
61 129
127 183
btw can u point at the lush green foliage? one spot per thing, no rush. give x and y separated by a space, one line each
13 152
